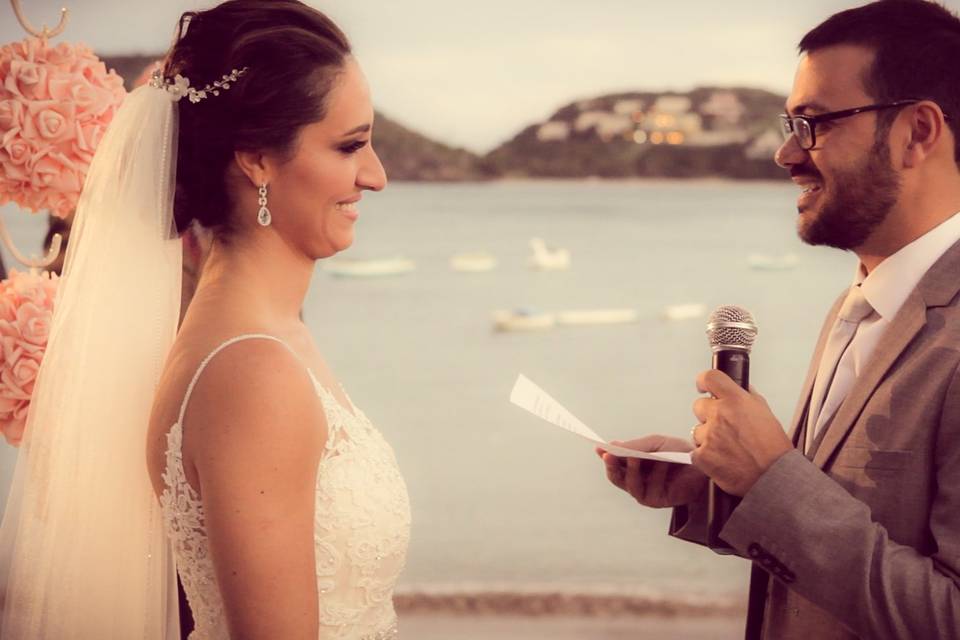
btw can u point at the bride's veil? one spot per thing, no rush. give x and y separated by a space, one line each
82 548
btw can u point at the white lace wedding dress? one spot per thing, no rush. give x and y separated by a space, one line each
361 527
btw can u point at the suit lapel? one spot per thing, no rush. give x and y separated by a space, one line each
937 288
799 415
896 337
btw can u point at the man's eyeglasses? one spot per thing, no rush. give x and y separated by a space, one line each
805 127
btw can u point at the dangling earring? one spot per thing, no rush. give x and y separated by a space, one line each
263 216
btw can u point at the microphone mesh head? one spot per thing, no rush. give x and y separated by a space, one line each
731 326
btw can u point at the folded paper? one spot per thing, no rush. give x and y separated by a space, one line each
529 396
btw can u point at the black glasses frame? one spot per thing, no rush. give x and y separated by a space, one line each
789 125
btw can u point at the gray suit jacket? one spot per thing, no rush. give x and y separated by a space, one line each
862 537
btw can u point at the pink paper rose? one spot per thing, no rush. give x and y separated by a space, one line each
60 204
63 55
27 80
55 104
10 384
24 373
90 100
26 312
56 172
87 138
11 115
54 121
8 310
34 324
9 410
17 421
19 152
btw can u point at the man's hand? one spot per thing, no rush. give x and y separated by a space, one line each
738 438
652 483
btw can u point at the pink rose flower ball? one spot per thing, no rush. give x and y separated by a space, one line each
55 104
26 311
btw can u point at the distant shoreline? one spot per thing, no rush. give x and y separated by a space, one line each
715 180
586 603
444 627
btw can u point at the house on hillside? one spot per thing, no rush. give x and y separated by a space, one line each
723 110
606 125
553 131
670 120
765 145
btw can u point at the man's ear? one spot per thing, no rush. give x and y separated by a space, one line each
926 131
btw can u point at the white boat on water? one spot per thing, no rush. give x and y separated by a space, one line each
764 262
584 317
523 320
473 262
353 268
532 320
684 311
547 258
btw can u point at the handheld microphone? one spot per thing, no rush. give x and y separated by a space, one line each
731 332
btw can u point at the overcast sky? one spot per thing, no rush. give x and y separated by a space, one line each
472 73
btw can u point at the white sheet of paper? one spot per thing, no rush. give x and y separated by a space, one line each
532 398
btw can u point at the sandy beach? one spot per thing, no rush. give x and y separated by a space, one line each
558 615
447 627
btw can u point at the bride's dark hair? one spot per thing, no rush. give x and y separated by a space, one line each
293 54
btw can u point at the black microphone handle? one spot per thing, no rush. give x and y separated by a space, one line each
720 504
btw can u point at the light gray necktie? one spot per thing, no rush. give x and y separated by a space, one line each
836 375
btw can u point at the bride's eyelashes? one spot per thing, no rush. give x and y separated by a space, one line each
353 146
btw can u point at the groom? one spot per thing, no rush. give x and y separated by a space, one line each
853 519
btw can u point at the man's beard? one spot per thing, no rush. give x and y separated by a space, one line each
857 203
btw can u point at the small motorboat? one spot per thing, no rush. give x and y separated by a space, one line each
473 262
684 311
764 262
523 320
353 268
547 258
584 317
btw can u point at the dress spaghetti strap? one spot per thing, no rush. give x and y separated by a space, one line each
221 347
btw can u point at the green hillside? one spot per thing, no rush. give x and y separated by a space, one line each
406 155
706 132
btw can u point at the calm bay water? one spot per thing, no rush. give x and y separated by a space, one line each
499 498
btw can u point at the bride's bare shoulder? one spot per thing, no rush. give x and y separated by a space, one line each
250 394
247 363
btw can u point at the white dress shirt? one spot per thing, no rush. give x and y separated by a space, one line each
887 287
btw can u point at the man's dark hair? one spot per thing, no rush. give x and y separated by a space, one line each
917 53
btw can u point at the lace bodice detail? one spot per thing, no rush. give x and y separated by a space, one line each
361 528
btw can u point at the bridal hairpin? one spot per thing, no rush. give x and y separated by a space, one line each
178 86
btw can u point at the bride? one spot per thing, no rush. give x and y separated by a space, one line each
283 506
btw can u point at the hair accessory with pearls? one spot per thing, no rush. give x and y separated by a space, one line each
178 86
